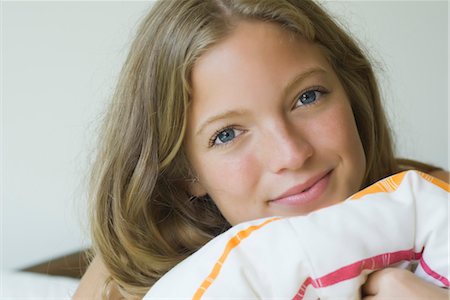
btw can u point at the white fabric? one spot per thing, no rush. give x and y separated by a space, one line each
24 285
400 221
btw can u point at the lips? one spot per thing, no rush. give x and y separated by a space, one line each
306 192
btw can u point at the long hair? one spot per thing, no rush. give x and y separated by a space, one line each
142 220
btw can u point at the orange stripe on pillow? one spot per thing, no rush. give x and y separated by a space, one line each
442 184
389 184
232 243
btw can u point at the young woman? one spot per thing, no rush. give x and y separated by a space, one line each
228 111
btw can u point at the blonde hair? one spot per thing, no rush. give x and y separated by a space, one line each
142 220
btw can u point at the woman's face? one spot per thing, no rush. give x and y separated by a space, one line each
270 128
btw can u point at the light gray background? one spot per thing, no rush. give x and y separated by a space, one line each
59 64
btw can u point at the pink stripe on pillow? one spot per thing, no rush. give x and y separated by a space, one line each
433 274
355 269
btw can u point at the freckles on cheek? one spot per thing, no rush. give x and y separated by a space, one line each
236 176
338 128
325 133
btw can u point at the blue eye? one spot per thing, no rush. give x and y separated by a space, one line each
224 136
310 97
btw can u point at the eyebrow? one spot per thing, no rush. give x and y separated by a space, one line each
301 77
232 113
224 115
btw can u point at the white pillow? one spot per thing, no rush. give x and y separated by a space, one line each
25 285
399 221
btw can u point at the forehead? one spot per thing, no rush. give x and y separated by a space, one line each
254 39
255 59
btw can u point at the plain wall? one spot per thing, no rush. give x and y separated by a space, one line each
60 61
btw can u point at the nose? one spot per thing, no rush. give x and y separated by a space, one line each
286 149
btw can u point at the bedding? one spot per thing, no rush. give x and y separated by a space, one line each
401 221
25 285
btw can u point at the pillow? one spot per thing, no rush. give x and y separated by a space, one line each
25 285
401 221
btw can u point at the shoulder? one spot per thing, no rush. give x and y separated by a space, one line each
442 175
93 282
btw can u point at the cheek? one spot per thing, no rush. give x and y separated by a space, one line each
348 144
232 184
346 132
335 134
351 140
228 177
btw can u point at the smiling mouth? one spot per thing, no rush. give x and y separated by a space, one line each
305 193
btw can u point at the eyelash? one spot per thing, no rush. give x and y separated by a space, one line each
216 135
323 91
